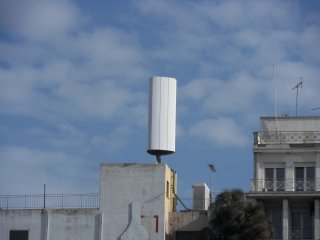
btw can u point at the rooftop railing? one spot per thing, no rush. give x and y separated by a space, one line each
292 137
280 185
301 234
71 201
49 201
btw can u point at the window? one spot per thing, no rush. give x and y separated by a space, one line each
19 235
275 216
302 225
304 178
167 189
274 179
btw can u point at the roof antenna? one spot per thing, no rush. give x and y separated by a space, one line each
299 85
275 96
275 88
212 169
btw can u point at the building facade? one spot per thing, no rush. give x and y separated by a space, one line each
287 175
136 201
149 187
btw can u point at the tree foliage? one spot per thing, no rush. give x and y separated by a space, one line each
233 218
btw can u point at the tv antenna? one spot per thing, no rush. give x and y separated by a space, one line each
299 85
212 169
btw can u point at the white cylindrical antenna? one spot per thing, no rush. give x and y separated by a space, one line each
162 116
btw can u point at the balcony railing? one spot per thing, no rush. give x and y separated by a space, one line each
49 201
298 233
280 185
292 137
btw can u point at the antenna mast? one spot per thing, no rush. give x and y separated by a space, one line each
275 96
299 85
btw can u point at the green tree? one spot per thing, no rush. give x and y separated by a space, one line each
233 218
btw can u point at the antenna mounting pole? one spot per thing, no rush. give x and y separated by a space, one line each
299 85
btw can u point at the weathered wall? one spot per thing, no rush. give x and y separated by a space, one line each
150 186
122 184
72 224
187 221
32 220
310 123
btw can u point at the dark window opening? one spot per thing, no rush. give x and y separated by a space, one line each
302 225
19 235
304 178
275 179
275 216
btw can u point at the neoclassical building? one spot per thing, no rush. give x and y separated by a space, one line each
286 176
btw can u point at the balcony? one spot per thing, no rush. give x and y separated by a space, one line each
285 137
285 185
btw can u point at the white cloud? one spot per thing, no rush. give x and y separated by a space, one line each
26 168
308 40
199 89
219 132
224 97
40 20
113 142
83 87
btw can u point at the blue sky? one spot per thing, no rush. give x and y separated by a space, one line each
74 85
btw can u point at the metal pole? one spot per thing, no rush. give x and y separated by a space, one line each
297 93
210 172
44 196
297 102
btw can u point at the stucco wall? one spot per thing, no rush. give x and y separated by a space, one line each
75 224
310 123
122 184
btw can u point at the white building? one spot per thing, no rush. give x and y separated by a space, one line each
287 175
137 201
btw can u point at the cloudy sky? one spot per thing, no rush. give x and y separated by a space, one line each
74 85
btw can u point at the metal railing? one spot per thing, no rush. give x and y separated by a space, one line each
301 234
59 201
292 137
278 185
49 201
190 202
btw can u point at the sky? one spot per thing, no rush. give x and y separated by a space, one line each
74 78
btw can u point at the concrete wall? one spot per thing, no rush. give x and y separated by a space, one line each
287 160
187 221
75 224
123 184
310 123
170 199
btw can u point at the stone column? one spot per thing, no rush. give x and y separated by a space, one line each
317 182
316 219
289 182
285 219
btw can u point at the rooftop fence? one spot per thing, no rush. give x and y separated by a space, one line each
70 201
49 201
292 137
